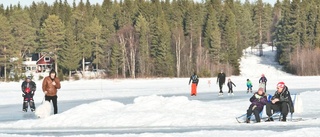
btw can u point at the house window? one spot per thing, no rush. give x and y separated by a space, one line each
47 59
28 59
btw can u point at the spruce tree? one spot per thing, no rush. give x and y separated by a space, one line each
53 34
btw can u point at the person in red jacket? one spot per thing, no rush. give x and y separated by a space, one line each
50 86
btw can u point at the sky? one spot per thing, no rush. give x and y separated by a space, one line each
163 107
29 2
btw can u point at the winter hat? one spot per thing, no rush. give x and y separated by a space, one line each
280 85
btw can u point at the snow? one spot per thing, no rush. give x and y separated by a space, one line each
162 107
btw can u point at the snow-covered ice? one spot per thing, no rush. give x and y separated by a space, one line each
162 107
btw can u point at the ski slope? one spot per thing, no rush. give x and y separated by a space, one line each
162 107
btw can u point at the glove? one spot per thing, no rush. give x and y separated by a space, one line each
23 94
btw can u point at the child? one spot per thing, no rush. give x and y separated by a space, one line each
258 100
249 85
229 84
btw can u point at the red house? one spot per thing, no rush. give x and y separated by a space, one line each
37 62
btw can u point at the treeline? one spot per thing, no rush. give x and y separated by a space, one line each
172 38
297 35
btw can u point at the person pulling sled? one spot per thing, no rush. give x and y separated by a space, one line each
28 88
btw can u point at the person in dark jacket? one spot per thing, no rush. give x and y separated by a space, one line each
28 88
258 100
221 79
263 82
280 101
229 84
195 80
50 86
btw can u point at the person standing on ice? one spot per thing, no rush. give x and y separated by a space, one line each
229 84
28 88
263 82
50 86
258 100
221 79
249 86
195 80
280 101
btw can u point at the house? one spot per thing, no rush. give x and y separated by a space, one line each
37 62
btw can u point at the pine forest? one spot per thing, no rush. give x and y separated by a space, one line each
168 38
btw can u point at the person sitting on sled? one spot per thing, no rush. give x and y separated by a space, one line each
258 100
28 88
280 101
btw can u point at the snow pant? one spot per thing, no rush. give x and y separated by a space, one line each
194 89
220 87
255 110
279 106
28 101
230 90
54 102
249 89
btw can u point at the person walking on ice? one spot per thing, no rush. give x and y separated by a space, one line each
221 79
263 82
249 86
195 80
229 84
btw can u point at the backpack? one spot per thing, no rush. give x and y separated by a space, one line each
194 78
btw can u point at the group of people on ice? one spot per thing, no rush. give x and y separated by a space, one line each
280 102
50 85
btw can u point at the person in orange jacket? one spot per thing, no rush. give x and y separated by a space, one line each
50 86
195 80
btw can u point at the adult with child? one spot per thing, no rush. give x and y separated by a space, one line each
280 101
258 100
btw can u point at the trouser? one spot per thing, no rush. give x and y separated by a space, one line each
54 102
255 110
249 89
230 90
279 106
28 101
194 89
220 87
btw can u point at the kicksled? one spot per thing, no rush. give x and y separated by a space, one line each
277 115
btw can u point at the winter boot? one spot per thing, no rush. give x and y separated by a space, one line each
248 120
284 119
269 119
